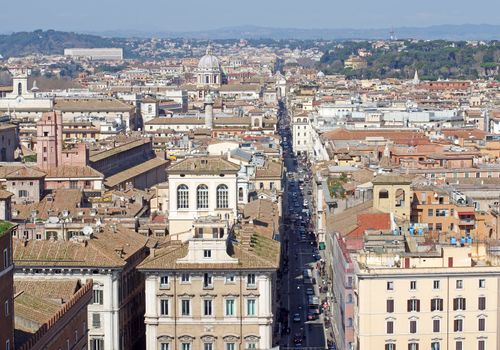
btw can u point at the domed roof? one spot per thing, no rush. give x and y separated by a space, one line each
209 61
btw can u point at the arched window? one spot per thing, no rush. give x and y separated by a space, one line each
182 197
202 197
20 89
222 197
207 79
349 298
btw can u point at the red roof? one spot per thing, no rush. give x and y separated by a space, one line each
380 221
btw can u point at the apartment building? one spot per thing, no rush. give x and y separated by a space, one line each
440 298
109 256
214 292
301 130
443 213
6 288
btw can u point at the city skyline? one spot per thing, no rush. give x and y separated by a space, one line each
174 17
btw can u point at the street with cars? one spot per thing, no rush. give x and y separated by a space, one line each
301 316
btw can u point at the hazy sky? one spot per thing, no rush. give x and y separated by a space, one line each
187 15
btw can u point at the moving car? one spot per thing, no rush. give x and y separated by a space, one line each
296 317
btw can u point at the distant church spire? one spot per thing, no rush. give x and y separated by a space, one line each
416 79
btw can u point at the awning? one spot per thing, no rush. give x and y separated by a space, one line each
464 213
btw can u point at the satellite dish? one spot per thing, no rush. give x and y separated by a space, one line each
87 231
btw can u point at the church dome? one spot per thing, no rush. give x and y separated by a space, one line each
209 61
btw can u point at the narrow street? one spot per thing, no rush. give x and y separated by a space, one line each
301 318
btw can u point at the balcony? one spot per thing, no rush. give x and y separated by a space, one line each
466 222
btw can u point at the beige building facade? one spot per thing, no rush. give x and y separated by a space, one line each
209 293
443 300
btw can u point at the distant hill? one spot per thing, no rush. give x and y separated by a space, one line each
446 32
49 42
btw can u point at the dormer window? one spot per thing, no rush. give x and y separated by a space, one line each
207 253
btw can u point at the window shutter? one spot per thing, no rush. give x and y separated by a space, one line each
464 304
390 305
418 305
408 305
455 304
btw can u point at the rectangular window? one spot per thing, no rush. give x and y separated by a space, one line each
481 324
207 280
390 305
6 307
430 212
251 280
413 327
97 296
482 283
164 307
230 307
412 346
185 278
251 307
459 304
390 346
207 307
435 284
459 284
164 346
96 320
186 346
481 345
459 345
413 285
230 346
458 325
413 305
435 345
436 325
164 281
481 303
96 344
7 344
390 327
229 278
186 307
252 345
208 346
6 262
390 285
207 253
437 304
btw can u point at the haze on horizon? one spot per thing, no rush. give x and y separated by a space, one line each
195 15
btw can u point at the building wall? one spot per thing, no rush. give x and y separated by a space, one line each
6 292
180 220
393 203
340 268
372 316
121 312
300 134
219 329
32 190
67 329
8 142
123 160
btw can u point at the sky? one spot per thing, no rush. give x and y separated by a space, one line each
195 15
